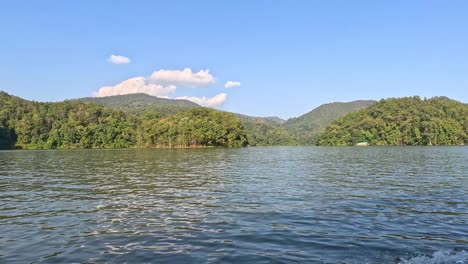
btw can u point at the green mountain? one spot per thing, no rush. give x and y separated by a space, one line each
267 132
261 131
137 100
141 103
402 121
140 120
268 119
307 126
74 124
272 119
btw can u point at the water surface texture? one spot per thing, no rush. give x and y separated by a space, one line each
250 205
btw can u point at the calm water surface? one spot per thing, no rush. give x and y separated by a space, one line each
250 205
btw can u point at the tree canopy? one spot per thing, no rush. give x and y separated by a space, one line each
145 123
402 121
306 127
73 124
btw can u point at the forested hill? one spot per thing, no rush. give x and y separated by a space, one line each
144 121
307 126
268 119
73 124
261 131
267 131
139 103
137 100
402 121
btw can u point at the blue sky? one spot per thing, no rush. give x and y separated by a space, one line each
288 56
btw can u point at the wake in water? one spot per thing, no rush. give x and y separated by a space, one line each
440 257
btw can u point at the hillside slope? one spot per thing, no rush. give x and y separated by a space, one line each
266 132
402 121
74 124
261 131
140 103
307 126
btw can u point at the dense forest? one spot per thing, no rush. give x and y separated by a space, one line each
261 131
306 127
143 121
197 127
73 124
402 121
140 103
267 132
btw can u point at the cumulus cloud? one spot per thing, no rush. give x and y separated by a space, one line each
231 84
163 83
136 85
117 59
214 101
183 78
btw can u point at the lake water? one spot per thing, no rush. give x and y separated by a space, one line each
249 205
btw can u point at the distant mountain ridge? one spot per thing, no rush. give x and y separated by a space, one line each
140 102
136 119
268 119
299 130
136 100
308 125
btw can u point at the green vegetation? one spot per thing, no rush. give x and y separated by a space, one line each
144 121
402 121
197 127
266 132
274 120
261 131
141 103
136 101
306 127
73 124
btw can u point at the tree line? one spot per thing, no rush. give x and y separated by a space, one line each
402 121
73 124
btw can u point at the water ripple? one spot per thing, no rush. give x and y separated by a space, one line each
262 205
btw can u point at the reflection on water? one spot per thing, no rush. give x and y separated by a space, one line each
277 204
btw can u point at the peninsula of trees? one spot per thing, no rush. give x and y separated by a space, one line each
401 121
143 121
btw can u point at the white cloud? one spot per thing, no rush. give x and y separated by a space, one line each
214 101
136 85
163 83
231 84
184 78
117 59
